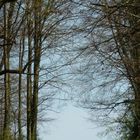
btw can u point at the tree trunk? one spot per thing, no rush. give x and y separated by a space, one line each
29 82
6 129
21 55
37 55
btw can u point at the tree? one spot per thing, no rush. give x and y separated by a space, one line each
31 31
111 61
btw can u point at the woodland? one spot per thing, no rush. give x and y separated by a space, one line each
87 51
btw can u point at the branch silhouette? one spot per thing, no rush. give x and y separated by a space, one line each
2 2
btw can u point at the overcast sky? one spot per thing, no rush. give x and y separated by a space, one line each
71 124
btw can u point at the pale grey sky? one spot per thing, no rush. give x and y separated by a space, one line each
71 124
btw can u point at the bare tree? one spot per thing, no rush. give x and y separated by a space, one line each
109 63
31 31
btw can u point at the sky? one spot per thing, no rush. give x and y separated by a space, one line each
71 124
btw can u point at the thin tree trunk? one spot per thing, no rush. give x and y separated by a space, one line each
29 83
6 129
21 55
37 55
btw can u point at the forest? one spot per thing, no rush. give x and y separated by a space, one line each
85 50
